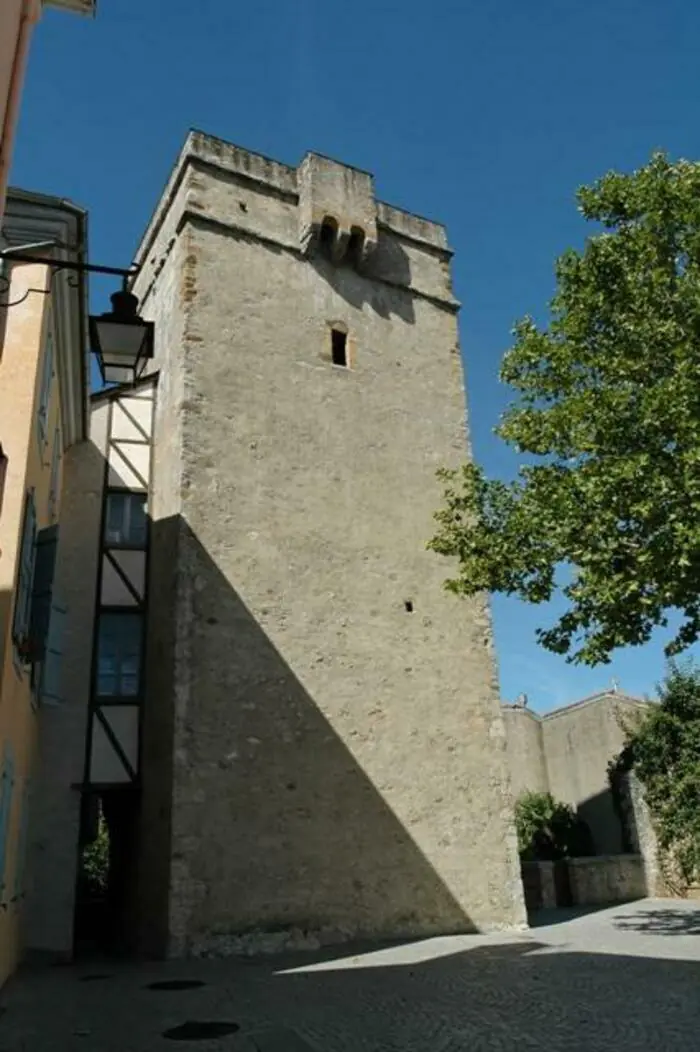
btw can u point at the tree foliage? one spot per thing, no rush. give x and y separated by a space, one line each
663 750
549 830
608 414
95 861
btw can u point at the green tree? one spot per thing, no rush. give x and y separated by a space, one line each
95 861
608 418
663 750
548 829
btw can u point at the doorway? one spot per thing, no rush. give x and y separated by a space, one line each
105 890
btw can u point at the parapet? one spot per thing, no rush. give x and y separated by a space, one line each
337 209
320 208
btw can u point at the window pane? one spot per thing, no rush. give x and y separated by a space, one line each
114 517
129 686
129 678
106 684
119 654
137 521
125 519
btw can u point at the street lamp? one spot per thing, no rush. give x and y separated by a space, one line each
122 341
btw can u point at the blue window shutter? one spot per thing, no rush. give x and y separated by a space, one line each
21 857
25 572
7 784
45 391
53 484
51 668
42 589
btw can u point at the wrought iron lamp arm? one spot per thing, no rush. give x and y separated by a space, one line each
55 266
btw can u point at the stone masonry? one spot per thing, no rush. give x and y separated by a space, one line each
323 748
566 752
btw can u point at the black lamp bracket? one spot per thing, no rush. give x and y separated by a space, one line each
55 266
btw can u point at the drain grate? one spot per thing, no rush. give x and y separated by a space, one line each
201 1031
176 984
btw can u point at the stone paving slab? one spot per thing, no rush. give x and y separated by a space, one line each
620 980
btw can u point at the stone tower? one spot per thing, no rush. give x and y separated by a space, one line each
322 743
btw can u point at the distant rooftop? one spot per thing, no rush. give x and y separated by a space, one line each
611 694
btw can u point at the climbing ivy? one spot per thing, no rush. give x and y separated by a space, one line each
663 751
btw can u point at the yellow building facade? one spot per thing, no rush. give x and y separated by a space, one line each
44 380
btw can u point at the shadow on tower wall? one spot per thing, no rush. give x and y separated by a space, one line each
255 814
602 816
382 282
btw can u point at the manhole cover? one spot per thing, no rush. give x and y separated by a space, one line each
201 1031
176 984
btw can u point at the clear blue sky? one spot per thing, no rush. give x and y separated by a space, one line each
485 115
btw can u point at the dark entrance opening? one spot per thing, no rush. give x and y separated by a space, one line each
104 905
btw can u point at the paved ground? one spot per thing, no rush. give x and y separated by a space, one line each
614 981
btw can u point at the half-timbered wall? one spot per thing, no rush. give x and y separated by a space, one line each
120 618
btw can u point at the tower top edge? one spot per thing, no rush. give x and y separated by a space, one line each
200 146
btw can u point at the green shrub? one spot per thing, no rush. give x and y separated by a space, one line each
95 861
663 750
549 830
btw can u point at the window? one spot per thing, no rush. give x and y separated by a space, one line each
45 389
53 483
119 655
45 548
25 574
339 347
50 686
125 520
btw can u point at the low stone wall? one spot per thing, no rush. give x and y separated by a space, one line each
605 879
538 885
597 881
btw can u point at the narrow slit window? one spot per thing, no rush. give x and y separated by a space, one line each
339 348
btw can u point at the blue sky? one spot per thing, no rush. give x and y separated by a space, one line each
485 116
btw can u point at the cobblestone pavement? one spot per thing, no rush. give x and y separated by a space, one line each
621 979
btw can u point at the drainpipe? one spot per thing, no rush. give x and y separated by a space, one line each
31 12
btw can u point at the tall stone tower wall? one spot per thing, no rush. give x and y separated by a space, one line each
327 750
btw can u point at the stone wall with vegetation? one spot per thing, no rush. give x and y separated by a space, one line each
606 879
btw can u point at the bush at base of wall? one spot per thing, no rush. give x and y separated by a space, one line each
549 830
